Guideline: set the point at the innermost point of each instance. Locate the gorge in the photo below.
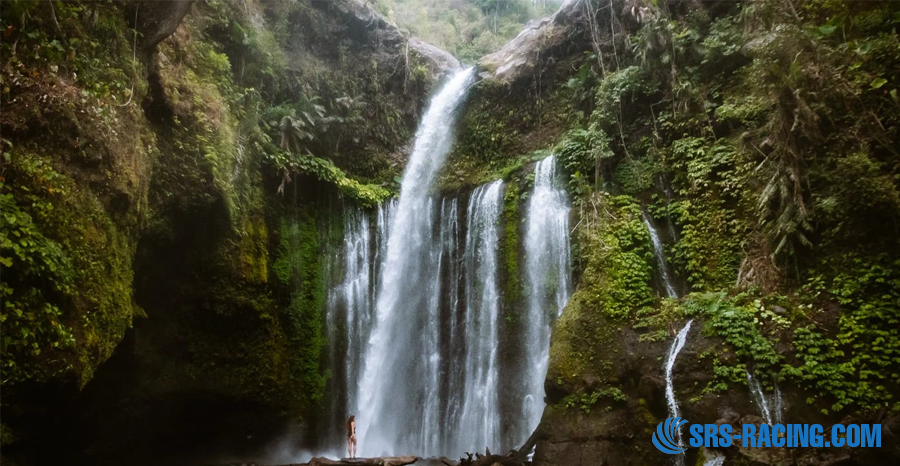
(229, 225)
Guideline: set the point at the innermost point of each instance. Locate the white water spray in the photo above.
(660, 257)
(770, 409)
(676, 347)
(400, 357)
(548, 282)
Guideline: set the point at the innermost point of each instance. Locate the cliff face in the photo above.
(166, 190)
(171, 170)
(695, 116)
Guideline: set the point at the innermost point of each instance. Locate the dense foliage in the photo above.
(765, 135)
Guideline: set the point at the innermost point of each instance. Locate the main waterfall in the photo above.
(397, 407)
(419, 327)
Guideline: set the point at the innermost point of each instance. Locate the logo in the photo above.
(666, 433)
(667, 438)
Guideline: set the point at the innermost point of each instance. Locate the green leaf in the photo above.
(827, 29)
(878, 82)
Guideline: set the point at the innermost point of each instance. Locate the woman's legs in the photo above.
(353, 440)
(349, 444)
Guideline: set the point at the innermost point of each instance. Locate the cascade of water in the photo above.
(354, 296)
(713, 457)
(663, 184)
(676, 347)
(454, 335)
(479, 423)
(759, 397)
(350, 305)
(402, 351)
(771, 410)
(548, 282)
(779, 406)
(660, 257)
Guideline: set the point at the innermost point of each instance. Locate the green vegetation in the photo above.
(856, 363)
(741, 321)
(586, 401)
(776, 123)
(614, 250)
(510, 245)
(298, 268)
(66, 274)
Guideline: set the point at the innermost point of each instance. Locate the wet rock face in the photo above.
(576, 432)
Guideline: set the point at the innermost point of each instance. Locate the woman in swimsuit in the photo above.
(351, 436)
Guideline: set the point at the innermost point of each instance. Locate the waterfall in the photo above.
(660, 257)
(663, 185)
(403, 349)
(414, 311)
(454, 323)
(676, 347)
(479, 423)
(772, 414)
(548, 283)
(713, 457)
(350, 305)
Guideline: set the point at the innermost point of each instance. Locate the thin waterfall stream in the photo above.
(548, 280)
(659, 253)
(671, 401)
(680, 338)
(770, 406)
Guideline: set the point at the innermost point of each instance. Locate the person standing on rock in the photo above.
(351, 436)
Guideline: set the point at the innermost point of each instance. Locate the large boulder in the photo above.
(441, 62)
(539, 40)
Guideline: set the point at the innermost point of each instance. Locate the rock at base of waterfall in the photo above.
(381, 461)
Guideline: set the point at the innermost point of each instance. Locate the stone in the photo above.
(521, 55)
(442, 62)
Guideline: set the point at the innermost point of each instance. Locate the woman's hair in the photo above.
(349, 427)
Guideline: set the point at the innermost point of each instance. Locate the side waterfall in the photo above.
(770, 412)
(396, 411)
(351, 307)
(548, 282)
(680, 339)
(676, 347)
(479, 422)
(660, 257)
